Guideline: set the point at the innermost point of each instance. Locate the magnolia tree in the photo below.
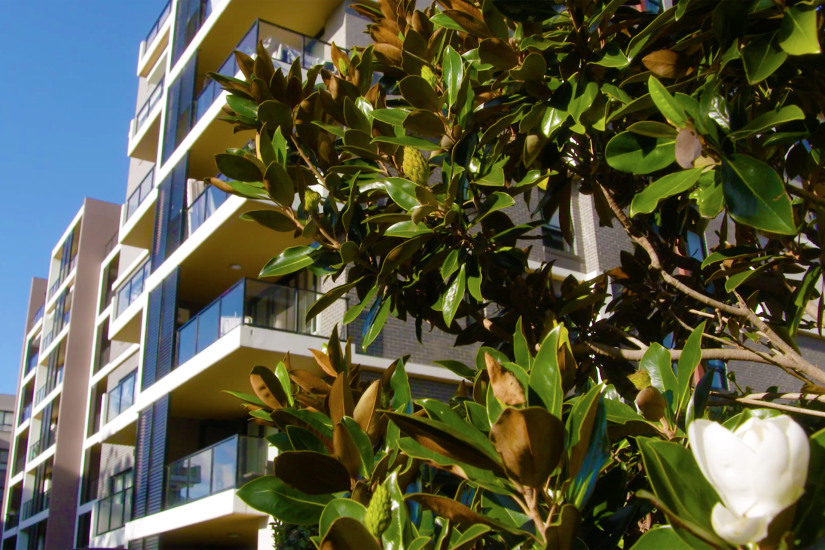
(573, 429)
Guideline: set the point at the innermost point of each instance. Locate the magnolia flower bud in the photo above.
(758, 470)
(651, 403)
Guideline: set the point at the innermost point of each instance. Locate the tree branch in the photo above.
(312, 213)
(656, 263)
(770, 405)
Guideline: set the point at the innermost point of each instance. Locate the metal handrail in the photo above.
(148, 105)
(141, 273)
(140, 193)
(155, 30)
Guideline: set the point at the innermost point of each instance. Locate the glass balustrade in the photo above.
(132, 289)
(121, 397)
(148, 105)
(257, 304)
(114, 511)
(139, 195)
(153, 32)
(203, 207)
(225, 465)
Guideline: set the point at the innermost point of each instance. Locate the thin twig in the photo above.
(770, 405)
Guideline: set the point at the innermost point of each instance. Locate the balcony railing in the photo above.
(282, 44)
(223, 466)
(148, 105)
(153, 32)
(257, 304)
(47, 388)
(32, 360)
(36, 505)
(139, 195)
(60, 280)
(131, 289)
(88, 489)
(25, 413)
(41, 445)
(114, 511)
(121, 397)
(37, 316)
(210, 199)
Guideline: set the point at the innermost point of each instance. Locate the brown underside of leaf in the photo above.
(506, 386)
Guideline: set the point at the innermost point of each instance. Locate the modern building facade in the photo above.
(122, 437)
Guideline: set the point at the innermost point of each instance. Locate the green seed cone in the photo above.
(415, 166)
(379, 512)
(428, 75)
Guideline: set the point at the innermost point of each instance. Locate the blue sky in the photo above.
(67, 93)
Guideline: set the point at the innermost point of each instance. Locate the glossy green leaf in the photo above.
(407, 229)
(450, 264)
(552, 120)
(768, 120)
(377, 321)
(304, 440)
(443, 20)
(666, 103)
(272, 496)
(283, 377)
(398, 534)
(652, 129)
(419, 93)
(688, 361)
(441, 412)
(737, 279)
(275, 115)
(520, 348)
(238, 167)
(402, 191)
(362, 440)
(755, 195)
(354, 311)
(454, 296)
(637, 154)
(457, 367)
(279, 185)
(798, 32)
(289, 261)
(341, 508)
(656, 361)
(493, 203)
(679, 483)
(761, 57)
(661, 537)
(672, 184)
(271, 219)
(485, 478)
(545, 376)
(390, 116)
(611, 56)
(453, 68)
(330, 298)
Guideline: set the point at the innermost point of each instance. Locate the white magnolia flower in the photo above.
(758, 471)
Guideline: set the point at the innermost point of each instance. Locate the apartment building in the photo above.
(6, 427)
(122, 437)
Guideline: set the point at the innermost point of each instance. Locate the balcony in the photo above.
(148, 105)
(155, 30)
(37, 316)
(139, 195)
(48, 387)
(25, 413)
(57, 328)
(132, 289)
(114, 511)
(110, 244)
(31, 361)
(205, 204)
(256, 304)
(60, 280)
(37, 504)
(41, 445)
(284, 45)
(121, 397)
(222, 466)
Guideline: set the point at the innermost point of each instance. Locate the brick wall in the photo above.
(421, 387)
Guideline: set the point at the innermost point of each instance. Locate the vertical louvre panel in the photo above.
(44, 426)
(168, 314)
(142, 454)
(175, 220)
(136, 544)
(150, 347)
(157, 458)
(161, 215)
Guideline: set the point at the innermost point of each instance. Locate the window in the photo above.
(551, 233)
(4, 461)
(122, 396)
(120, 482)
(7, 418)
(720, 379)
